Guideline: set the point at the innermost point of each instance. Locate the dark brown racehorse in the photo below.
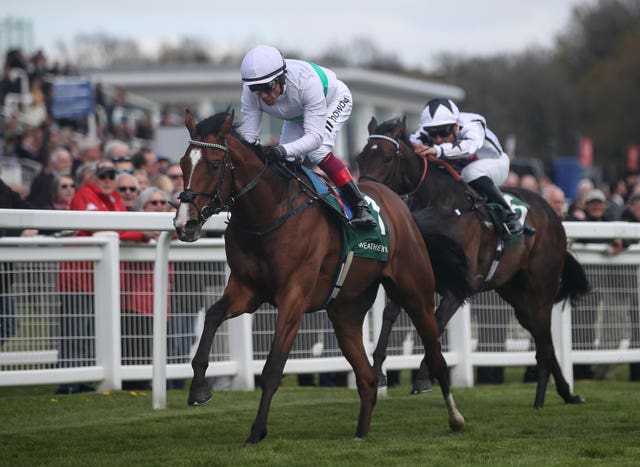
(284, 248)
(531, 274)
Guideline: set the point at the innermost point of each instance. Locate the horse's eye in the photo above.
(214, 165)
(386, 157)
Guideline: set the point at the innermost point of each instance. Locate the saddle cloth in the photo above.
(374, 243)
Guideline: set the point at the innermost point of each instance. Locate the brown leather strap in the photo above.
(447, 166)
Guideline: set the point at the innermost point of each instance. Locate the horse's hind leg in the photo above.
(347, 323)
(536, 318)
(547, 364)
(389, 316)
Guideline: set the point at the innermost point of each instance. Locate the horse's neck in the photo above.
(410, 174)
(267, 200)
(441, 191)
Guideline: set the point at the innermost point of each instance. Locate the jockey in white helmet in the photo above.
(447, 133)
(314, 105)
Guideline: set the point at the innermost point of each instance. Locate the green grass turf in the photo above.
(316, 426)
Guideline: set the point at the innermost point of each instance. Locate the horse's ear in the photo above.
(190, 123)
(227, 125)
(373, 124)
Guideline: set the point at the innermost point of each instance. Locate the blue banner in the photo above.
(72, 98)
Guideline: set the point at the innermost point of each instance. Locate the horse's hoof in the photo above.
(456, 423)
(199, 395)
(254, 440)
(420, 386)
(576, 400)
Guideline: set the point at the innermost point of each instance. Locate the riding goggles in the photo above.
(264, 87)
(441, 131)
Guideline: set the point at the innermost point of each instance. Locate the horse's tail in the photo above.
(573, 283)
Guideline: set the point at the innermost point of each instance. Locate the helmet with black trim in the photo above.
(439, 112)
(262, 64)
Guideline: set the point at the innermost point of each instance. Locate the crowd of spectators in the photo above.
(102, 161)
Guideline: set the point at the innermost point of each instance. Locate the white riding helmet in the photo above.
(439, 112)
(262, 64)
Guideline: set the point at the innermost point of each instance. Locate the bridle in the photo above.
(216, 202)
(396, 165)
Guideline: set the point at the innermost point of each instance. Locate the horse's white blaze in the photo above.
(195, 155)
(182, 216)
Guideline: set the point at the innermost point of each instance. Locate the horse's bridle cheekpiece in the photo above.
(396, 164)
(216, 204)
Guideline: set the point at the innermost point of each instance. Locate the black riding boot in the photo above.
(485, 186)
(362, 217)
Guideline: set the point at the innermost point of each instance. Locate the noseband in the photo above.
(396, 165)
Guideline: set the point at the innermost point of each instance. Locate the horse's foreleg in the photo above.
(347, 323)
(237, 299)
(445, 311)
(389, 316)
(287, 325)
(427, 329)
(199, 392)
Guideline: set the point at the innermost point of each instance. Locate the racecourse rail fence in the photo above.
(51, 336)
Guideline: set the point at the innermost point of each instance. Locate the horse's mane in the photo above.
(211, 125)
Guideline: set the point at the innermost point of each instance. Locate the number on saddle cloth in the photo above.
(499, 215)
(518, 206)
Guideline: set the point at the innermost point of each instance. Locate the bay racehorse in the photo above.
(468, 256)
(283, 247)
